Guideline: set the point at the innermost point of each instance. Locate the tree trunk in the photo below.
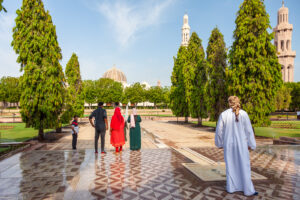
(186, 119)
(41, 134)
(199, 121)
(58, 130)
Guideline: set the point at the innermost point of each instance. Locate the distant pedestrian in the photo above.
(135, 130)
(100, 125)
(75, 131)
(234, 133)
(117, 138)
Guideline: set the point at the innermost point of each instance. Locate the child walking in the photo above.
(75, 131)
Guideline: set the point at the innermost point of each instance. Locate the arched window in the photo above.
(276, 45)
(288, 45)
(282, 45)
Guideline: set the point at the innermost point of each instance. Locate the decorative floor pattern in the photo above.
(148, 174)
(280, 164)
(214, 172)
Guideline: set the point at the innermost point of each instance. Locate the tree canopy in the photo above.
(89, 91)
(135, 93)
(217, 64)
(155, 95)
(295, 96)
(74, 100)
(283, 98)
(10, 89)
(35, 42)
(254, 74)
(195, 78)
(178, 102)
(1, 6)
(108, 90)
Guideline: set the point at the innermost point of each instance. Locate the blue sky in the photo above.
(140, 37)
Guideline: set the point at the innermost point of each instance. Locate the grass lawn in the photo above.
(276, 130)
(18, 133)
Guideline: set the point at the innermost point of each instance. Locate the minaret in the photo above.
(185, 31)
(283, 42)
(158, 83)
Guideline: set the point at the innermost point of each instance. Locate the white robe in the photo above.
(235, 138)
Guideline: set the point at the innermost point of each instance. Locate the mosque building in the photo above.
(283, 42)
(116, 75)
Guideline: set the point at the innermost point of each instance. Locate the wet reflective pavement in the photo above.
(279, 163)
(148, 174)
(152, 173)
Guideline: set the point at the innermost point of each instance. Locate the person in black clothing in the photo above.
(100, 124)
(75, 131)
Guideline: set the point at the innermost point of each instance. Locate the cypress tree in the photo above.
(1, 6)
(195, 78)
(75, 98)
(35, 42)
(178, 103)
(216, 57)
(255, 74)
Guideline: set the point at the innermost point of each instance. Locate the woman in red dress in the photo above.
(117, 138)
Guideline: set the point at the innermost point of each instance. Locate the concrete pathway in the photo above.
(179, 135)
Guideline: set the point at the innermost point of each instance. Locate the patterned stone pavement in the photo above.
(148, 174)
(152, 173)
(280, 164)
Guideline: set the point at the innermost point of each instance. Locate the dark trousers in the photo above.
(97, 134)
(74, 140)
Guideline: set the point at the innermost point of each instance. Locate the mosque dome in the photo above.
(116, 75)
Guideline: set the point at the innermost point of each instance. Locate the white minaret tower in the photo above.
(283, 42)
(185, 31)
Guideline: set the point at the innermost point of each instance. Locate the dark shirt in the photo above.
(99, 114)
(75, 125)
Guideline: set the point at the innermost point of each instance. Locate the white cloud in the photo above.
(128, 20)
(8, 65)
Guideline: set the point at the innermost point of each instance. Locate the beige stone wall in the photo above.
(283, 42)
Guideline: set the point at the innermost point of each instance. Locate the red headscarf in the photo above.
(117, 119)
